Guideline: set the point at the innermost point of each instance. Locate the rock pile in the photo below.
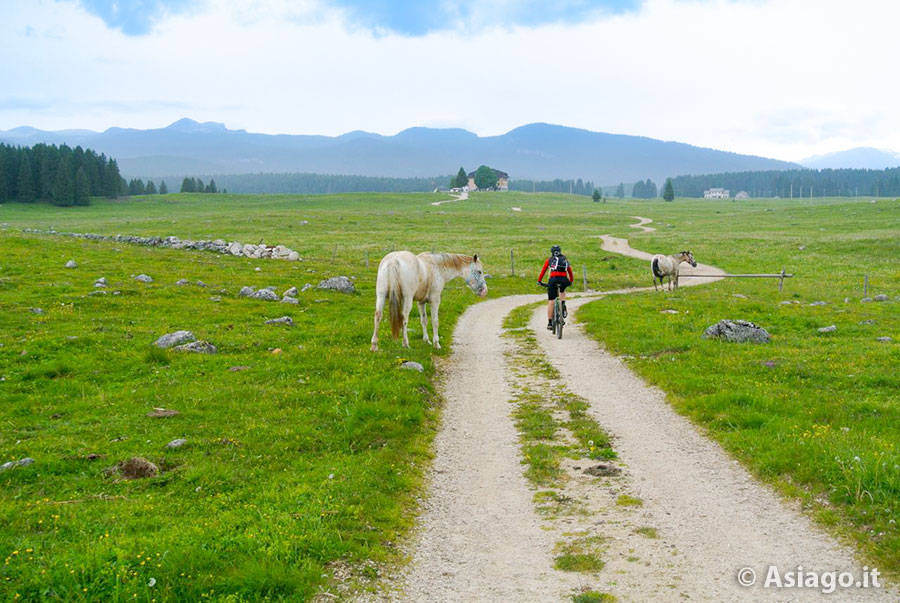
(235, 248)
(737, 331)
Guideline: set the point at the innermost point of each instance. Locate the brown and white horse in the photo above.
(404, 278)
(667, 265)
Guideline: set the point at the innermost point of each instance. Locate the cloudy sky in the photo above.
(779, 78)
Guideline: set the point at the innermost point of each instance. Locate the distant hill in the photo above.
(534, 151)
(858, 158)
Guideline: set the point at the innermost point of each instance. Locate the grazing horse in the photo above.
(667, 265)
(404, 278)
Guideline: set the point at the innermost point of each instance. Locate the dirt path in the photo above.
(459, 197)
(641, 223)
(482, 540)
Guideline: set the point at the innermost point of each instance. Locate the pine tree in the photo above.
(596, 196)
(82, 187)
(669, 190)
(63, 190)
(211, 187)
(163, 189)
(4, 187)
(150, 188)
(620, 192)
(188, 185)
(461, 179)
(112, 180)
(26, 180)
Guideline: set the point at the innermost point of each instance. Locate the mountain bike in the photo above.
(558, 321)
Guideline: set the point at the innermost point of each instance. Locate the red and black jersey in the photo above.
(558, 270)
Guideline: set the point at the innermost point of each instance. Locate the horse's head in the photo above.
(475, 278)
(687, 256)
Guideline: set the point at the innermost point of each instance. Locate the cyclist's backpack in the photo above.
(559, 263)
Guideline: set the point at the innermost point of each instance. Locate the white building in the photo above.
(717, 193)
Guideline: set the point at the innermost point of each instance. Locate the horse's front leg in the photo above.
(435, 304)
(423, 317)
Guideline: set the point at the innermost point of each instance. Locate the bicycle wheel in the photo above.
(558, 319)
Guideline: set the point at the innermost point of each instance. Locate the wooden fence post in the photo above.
(512, 262)
(865, 285)
(584, 276)
(367, 259)
(334, 253)
(781, 281)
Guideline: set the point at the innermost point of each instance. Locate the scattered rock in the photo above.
(668, 311)
(20, 463)
(828, 329)
(770, 364)
(289, 300)
(819, 303)
(603, 470)
(306, 287)
(215, 298)
(292, 292)
(162, 412)
(411, 365)
(865, 300)
(38, 311)
(178, 443)
(257, 269)
(284, 320)
(739, 296)
(182, 282)
(201, 284)
(338, 283)
(737, 331)
(801, 247)
(868, 321)
(881, 298)
(265, 294)
(884, 339)
(172, 339)
(101, 282)
(71, 264)
(199, 347)
(237, 369)
(135, 468)
(246, 291)
(143, 278)
(789, 302)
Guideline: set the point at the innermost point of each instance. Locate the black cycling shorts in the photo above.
(555, 285)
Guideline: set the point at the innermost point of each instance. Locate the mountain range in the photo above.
(536, 151)
(858, 158)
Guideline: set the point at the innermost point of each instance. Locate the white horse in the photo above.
(404, 278)
(667, 265)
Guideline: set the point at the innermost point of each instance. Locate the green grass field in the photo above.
(309, 461)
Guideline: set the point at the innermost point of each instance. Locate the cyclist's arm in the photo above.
(544, 269)
(571, 275)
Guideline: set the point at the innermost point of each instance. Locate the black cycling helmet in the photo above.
(555, 250)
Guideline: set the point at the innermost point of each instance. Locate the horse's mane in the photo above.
(456, 261)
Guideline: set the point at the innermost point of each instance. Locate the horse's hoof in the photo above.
(437, 346)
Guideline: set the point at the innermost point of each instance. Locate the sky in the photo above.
(779, 78)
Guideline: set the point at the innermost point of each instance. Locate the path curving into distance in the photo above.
(641, 224)
(480, 538)
(460, 197)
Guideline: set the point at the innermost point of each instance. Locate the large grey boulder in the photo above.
(338, 283)
(737, 331)
(172, 339)
(292, 292)
(266, 294)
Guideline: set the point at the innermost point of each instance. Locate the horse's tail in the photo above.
(395, 292)
(655, 266)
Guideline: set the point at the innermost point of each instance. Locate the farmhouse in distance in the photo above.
(502, 180)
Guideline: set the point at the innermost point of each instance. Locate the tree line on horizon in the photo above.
(60, 175)
(796, 183)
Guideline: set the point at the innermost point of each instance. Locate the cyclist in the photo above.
(561, 276)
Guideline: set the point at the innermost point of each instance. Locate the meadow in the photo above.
(305, 452)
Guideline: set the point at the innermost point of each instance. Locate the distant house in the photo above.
(742, 195)
(502, 181)
(716, 193)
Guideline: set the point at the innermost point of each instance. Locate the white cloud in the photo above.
(786, 78)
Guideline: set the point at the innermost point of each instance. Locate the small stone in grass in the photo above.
(284, 320)
(201, 284)
(739, 296)
(828, 329)
(292, 292)
(866, 300)
(71, 264)
(235, 369)
(412, 365)
(20, 463)
(289, 300)
(182, 281)
(306, 287)
(199, 347)
(38, 311)
(162, 412)
(881, 298)
(246, 291)
(819, 303)
(143, 278)
(884, 339)
(257, 269)
(215, 298)
(177, 443)
(135, 468)
(868, 321)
